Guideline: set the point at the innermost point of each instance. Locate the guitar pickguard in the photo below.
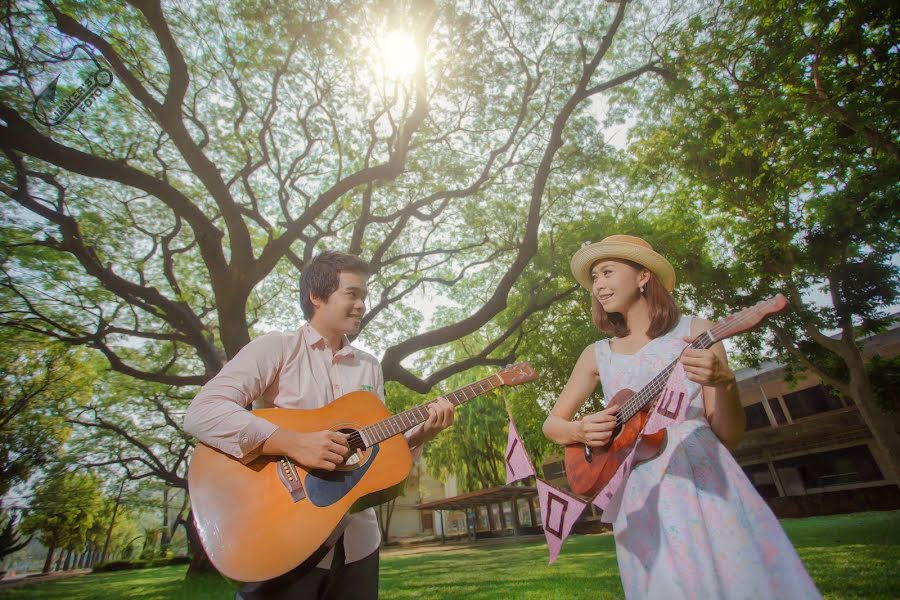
(324, 488)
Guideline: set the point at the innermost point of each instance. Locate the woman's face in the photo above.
(616, 285)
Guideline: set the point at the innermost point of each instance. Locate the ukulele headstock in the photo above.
(517, 374)
(749, 318)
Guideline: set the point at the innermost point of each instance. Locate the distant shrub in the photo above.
(125, 565)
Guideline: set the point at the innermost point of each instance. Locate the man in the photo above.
(308, 368)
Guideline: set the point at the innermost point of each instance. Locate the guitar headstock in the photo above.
(518, 373)
(749, 318)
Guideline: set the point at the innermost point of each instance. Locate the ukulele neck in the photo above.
(650, 391)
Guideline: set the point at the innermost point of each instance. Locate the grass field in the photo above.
(848, 556)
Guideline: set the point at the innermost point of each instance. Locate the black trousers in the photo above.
(343, 581)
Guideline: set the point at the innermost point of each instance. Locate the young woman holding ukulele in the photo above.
(688, 523)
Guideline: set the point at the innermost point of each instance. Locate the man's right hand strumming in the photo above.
(319, 450)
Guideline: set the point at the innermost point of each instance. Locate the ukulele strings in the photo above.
(636, 402)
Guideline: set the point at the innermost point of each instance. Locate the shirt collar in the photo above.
(315, 340)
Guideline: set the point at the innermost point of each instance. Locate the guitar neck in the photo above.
(401, 422)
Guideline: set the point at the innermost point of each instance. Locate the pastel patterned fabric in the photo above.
(689, 524)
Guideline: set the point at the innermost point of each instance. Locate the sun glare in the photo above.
(398, 54)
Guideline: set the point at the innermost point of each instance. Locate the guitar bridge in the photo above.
(290, 478)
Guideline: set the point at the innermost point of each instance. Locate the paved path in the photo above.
(438, 547)
(23, 580)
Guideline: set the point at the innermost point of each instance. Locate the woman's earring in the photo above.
(642, 290)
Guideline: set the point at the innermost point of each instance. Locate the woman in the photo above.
(688, 524)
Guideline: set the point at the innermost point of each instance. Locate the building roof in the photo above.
(771, 369)
(480, 498)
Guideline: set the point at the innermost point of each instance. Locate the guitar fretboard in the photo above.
(382, 430)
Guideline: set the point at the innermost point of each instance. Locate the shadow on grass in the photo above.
(848, 556)
(585, 569)
(145, 584)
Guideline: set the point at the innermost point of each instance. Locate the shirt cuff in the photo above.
(415, 450)
(252, 437)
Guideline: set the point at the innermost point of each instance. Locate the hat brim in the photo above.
(585, 258)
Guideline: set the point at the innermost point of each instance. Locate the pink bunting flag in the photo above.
(669, 410)
(559, 511)
(518, 465)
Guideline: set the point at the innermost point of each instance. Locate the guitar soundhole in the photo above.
(359, 454)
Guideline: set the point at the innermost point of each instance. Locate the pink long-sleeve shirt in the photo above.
(294, 369)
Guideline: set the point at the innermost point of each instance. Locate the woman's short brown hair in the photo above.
(664, 313)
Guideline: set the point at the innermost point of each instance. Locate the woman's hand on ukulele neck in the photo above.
(319, 450)
(596, 429)
(706, 368)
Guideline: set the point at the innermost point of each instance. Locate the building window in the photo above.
(810, 401)
(756, 416)
(775, 405)
(427, 520)
(827, 469)
(762, 480)
(554, 470)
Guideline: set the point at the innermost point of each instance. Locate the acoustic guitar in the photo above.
(259, 520)
(588, 470)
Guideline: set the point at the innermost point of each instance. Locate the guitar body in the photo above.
(253, 522)
(589, 473)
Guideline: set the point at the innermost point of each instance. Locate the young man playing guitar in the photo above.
(308, 369)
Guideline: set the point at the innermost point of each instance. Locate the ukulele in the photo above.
(259, 520)
(588, 470)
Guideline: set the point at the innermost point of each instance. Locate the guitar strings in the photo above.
(356, 441)
(633, 405)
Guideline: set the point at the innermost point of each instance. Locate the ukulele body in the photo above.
(588, 470)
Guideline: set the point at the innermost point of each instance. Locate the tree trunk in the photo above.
(385, 512)
(880, 424)
(200, 563)
(164, 533)
(49, 561)
(59, 559)
(112, 522)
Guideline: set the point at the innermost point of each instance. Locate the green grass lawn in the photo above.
(848, 556)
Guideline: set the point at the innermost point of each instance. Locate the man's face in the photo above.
(343, 310)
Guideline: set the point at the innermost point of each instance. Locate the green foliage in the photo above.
(127, 565)
(39, 382)
(884, 373)
(10, 539)
(782, 133)
(64, 509)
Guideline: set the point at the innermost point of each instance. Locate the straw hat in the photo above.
(625, 247)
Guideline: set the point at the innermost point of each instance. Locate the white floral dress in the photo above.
(689, 524)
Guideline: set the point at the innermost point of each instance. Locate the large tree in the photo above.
(179, 208)
(167, 223)
(783, 129)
